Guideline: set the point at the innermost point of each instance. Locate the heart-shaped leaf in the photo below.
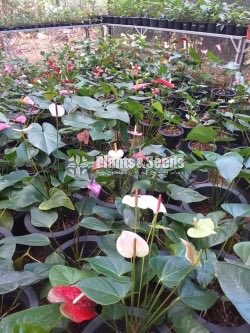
(57, 198)
(44, 137)
(43, 219)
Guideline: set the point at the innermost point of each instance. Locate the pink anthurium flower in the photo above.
(56, 110)
(27, 101)
(135, 132)
(165, 83)
(70, 67)
(144, 202)
(65, 92)
(97, 72)
(83, 137)
(3, 126)
(95, 189)
(75, 305)
(141, 86)
(140, 156)
(156, 91)
(20, 119)
(130, 245)
(136, 69)
(8, 68)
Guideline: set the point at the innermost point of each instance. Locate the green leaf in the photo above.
(114, 111)
(78, 120)
(57, 198)
(113, 312)
(64, 276)
(103, 290)
(107, 244)
(184, 324)
(185, 194)
(28, 240)
(242, 250)
(237, 210)
(235, 283)
(185, 218)
(87, 103)
(202, 134)
(195, 297)
(28, 328)
(93, 223)
(12, 178)
(6, 220)
(170, 270)
(97, 131)
(44, 137)
(111, 267)
(42, 219)
(11, 280)
(46, 316)
(229, 166)
(205, 271)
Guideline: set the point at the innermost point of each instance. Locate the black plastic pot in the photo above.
(230, 29)
(149, 130)
(190, 150)
(226, 93)
(26, 297)
(202, 27)
(163, 23)
(123, 20)
(146, 21)
(178, 25)
(59, 236)
(171, 141)
(240, 31)
(154, 23)
(207, 189)
(130, 20)
(86, 244)
(171, 24)
(187, 25)
(110, 19)
(104, 18)
(211, 27)
(97, 325)
(5, 233)
(220, 29)
(186, 129)
(200, 176)
(137, 21)
(213, 328)
(116, 19)
(194, 26)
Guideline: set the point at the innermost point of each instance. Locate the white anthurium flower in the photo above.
(56, 110)
(202, 228)
(116, 153)
(131, 245)
(144, 202)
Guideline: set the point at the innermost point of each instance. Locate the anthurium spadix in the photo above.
(144, 202)
(131, 245)
(202, 228)
(56, 110)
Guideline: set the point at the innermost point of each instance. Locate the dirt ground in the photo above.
(31, 45)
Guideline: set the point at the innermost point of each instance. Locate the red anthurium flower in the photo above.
(75, 305)
(184, 39)
(164, 83)
(83, 137)
(52, 65)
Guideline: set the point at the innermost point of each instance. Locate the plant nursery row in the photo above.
(125, 174)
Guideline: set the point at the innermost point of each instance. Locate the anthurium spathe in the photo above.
(83, 137)
(202, 228)
(75, 305)
(21, 119)
(95, 189)
(144, 202)
(3, 126)
(131, 245)
(164, 83)
(56, 110)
